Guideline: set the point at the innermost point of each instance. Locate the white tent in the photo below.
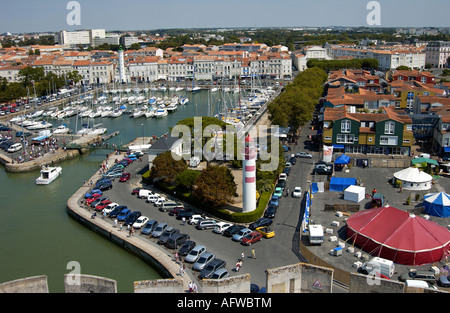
(354, 193)
(414, 179)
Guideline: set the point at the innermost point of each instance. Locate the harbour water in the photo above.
(37, 236)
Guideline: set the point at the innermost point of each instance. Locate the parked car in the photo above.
(100, 206)
(444, 280)
(92, 192)
(168, 232)
(104, 185)
(177, 240)
(270, 211)
(220, 273)
(153, 198)
(293, 160)
(195, 253)
(159, 230)
(251, 238)
(263, 221)
(287, 171)
(281, 184)
(427, 276)
(283, 176)
(205, 224)
(303, 155)
(160, 201)
(232, 230)
(14, 147)
(140, 222)
(275, 200)
(211, 267)
(278, 192)
(117, 210)
(193, 220)
(110, 207)
(135, 191)
(266, 232)
(297, 193)
(124, 177)
(203, 260)
(323, 169)
(186, 248)
(92, 198)
(123, 215)
(220, 227)
(97, 201)
(240, 234)
(132, 218)
(149, 227)
(186, 214)
(112, 175)
(177, 210)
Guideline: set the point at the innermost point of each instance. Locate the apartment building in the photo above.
(438, 54)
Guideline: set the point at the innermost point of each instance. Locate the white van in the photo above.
(418, 284)
(160, 201)
(315, 234)
(379, 265)
(144, 193)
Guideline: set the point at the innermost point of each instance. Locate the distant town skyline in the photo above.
(25, 16)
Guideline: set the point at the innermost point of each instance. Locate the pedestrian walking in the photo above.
(115, 222)
(184, 221)
(121, 226)
(238, 265)
(242, 256)
(181, 270)
(253, 253)
(176, 256)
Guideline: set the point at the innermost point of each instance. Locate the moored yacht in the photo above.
(48, 174)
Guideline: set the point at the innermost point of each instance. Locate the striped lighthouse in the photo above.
(249, 177)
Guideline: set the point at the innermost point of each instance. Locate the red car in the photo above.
(128, 160)
(102, 205)
(125, 177)
(92, 198)
(253, 237)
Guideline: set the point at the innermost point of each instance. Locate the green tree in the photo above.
(186, 179)
(165, 168)
(215, 186)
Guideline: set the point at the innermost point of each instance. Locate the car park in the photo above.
(140, 222)
(263, 221)
(123, 215)
(427, 276)
(168, 232)
(149, 227)
(230, 231)
(220, 274)
(205, 224)
(240, 234)
(303, 155)
(124, 177)
(117, 210)
(159, 230)
(251, 238)
(270, 211)
(266, 232)
(177, 240)
(297, 193)
(195, 253)
(211, 267)
(203, 260)
(220, 227)
(186, 248)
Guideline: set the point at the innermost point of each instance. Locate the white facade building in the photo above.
(438, 54)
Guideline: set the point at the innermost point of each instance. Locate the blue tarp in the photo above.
(437, 204)
(341, 183)
(314, 188)
(343, 159)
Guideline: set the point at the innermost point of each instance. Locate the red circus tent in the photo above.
(396, 235)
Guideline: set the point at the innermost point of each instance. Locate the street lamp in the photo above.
(142, 135)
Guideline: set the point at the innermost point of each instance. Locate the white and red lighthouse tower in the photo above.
(249, 177)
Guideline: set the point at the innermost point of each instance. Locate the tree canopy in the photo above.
(166, 169)
(215, 186)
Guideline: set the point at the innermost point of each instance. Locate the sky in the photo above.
(26, 16)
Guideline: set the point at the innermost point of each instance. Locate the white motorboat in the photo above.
(150, 112)
(48, 175)
(39, 125)
(62, 129)
(160, 112)
(172, 107)
(116, 113)
(183, 101)
(179, 89)
(138, 112)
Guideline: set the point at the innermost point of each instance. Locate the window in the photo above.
(343, 138)
(345, 126)
(389, 128)
(388, 140)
